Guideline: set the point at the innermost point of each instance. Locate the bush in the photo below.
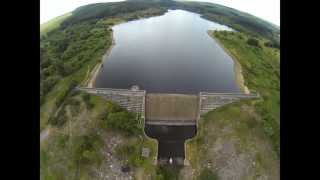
(131, 154)
(60, 119)
(86, 149)
(166, 173)
(125, 122)
(64, 93)
(253, 42)
(207, 174)
(86, 99)
(61, 97)
(113, 108)
(47, 84)
(272, 44)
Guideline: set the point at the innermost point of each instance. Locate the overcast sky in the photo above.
(266, 9)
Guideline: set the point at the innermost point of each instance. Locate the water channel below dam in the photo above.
(171, 141)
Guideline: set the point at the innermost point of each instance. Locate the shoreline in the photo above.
(91, 79)
(237, 66)
(90, 82)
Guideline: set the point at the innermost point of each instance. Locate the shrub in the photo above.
(60, 98)
(64, 93)
(131, 153)
(207, 174)
(86, 149)
(253, 42)
(86, 99)
(113, 108)
(272, 44)
(166, 173)
(60, 119)
(47, 84)
(125, 122)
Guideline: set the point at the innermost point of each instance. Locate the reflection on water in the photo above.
(171, 53)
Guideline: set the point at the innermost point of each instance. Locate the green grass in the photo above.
(166, 173)
(76, 145)
(76, 120)
(69, 150)
(224, 125)
(53, 23)
(48, 108)
(68, 54)
(207, 174)
(261, 71)
(254, 124)
(132, 150)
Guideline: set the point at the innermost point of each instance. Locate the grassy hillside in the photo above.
(261, 71)
(53, 24)
(242, 140)
(93, 138)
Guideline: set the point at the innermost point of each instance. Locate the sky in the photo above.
(266, 9)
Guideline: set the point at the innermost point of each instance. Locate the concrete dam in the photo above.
(169, 118)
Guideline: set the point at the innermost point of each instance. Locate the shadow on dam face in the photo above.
(171, 139)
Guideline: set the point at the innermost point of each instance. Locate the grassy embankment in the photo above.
(245, 134)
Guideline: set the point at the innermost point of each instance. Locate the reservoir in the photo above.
(171, 53)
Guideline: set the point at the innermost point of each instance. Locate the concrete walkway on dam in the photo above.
(171, 109)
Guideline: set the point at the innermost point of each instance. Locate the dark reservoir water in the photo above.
(171, 53)
(170, 141)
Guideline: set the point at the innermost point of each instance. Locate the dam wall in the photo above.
(210, 101)
(169, 109)
(132, 100)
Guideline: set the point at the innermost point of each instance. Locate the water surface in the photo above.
(171, 53)
(171, 141)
